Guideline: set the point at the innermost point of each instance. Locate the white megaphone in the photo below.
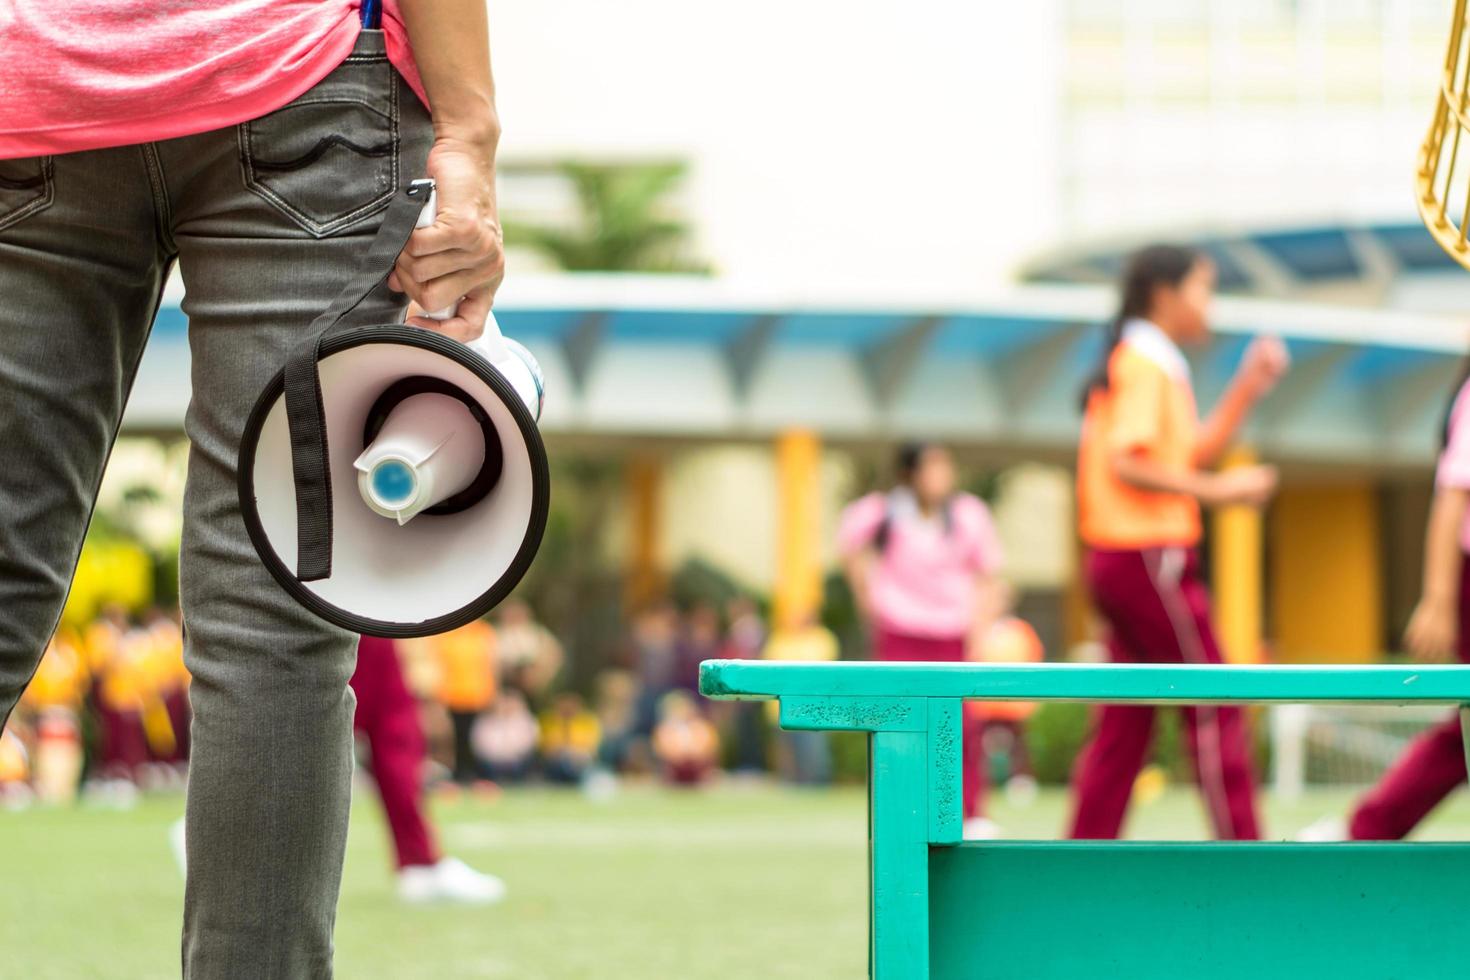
(391, 478)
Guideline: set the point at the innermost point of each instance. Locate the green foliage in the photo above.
(697, 582)
(840, 615)
(623, 223)
(572, 586)
(1054, 736)
(1057, 732)
(849, 757)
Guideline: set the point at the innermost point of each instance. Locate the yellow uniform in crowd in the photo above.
(562, 734)
(466, 660)
(61, 679)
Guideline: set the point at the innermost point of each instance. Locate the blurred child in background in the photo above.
(699, 640)
(685, 744)
(920, 560)
(172, 678)
(466, 658)
(15, 790)
(1142, 474)
(125, 694)
(803, 758)
(739, 722)
(999, 727)
(55, 699)
(570, 736)
(505, 738)
(655, 655)
(530, 655)
(387, 720)
(617, 716)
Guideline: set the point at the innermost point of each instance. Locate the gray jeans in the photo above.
(265, 220)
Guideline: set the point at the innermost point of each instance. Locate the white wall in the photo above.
(830, 141)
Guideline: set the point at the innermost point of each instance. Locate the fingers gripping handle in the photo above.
(427, 217)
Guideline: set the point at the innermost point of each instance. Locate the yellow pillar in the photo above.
(1236, 557)
(798, 591)
(1326, 575)
(645, 579)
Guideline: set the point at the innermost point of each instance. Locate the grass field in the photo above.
(741, 881)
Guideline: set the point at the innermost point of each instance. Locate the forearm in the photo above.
(1144, 474)
(451, 45)
(1219, 430)
(1442, 553)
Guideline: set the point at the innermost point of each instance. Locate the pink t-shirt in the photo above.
(85, 74)
(1454, 462)
(923, 583)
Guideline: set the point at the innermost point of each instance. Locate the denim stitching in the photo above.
(44, 200)
(159, 189)
(321, 229)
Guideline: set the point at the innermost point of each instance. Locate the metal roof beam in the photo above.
(1025, 373)
(1308, 378)
(890, 362)
(580, 346)
(745, 350)
(1414, 399)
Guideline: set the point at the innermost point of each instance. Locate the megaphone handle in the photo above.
(304, 413)
(427, 217)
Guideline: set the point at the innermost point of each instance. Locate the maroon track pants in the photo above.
(1159, 612)
(898, 648)
(388, 718)
(1428, 771)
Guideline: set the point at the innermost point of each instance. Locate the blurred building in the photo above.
(1243, 112)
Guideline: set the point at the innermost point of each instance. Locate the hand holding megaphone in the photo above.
(453, 261)
(431, 447)
(392, 478)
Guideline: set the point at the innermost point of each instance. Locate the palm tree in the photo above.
(622, 223)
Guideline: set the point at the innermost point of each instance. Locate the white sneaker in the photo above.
(176, 844)
(451, 880)
(980, 828)
(1324, 831)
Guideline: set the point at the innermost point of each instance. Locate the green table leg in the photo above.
(899, 851)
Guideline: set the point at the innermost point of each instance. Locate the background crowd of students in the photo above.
(107, 713)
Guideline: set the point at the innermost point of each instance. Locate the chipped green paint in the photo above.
(945, 910)
(853, 714)
(946, 776)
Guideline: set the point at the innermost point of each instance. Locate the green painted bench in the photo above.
(1004, 910)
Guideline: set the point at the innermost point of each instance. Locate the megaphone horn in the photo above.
(391, 478)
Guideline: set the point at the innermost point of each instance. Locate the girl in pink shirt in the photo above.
(921, 560)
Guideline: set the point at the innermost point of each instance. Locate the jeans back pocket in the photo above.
(26, 186)
(330, 158)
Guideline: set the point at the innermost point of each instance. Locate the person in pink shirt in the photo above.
(921, 560)
(1434, 763)
(255, 144)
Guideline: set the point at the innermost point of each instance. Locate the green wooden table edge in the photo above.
(1141, 683)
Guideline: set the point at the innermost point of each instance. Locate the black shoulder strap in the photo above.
(884, 533)
(305, 417)
(885, 528)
